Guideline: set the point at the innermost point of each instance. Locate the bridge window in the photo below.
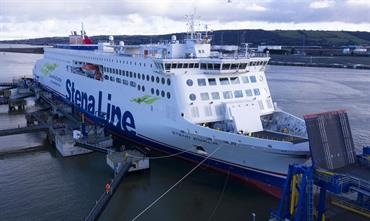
(191, 65)
(111, 78)
(235, 80)
(203, 66)
(174, 65)
(106, 77)
(185, 65)
(228, 94)
(124, 81)
(217, 67)
(118, 80)
(209, 66)
(234, 66)
(224, 81)
(196, 65)
(225, 66)
(179, 65)
(212, 81)
(201, 82)
(242, 65)
(215, 95)
(204, 96)
(167, 66)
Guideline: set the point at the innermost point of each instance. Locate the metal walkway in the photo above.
(8, 84)
(104, 199)
(22, 130)
(85, 144)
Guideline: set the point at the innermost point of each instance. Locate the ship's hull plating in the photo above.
(249, 162)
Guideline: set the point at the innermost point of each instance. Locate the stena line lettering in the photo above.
(112, 113)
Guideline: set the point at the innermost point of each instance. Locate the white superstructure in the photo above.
(183, 97)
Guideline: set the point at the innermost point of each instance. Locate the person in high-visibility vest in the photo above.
(107, 188)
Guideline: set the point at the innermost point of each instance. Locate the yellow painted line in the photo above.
(325, 172)
(352, 208)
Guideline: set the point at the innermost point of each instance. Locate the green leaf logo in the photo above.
(147, 99)
(48, 68)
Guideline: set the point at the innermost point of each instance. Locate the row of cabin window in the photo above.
(213, 66)
(139, 87)
(137, 75)
(223, 80)
(160, 93)
(226, 94)
(110, 60)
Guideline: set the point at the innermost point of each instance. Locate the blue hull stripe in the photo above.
(246, 173)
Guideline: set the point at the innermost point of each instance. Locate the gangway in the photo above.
(335, 170)
(104, 199)
(22, 130)
(91, 146)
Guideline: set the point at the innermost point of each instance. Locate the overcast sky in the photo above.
(20, 19)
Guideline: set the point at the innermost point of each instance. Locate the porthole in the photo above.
(143, 88)
(152, 91)
(189, 82)
(162, 93)
(138, 87)
(157, 79)
(143, 77)
(157, 92)
(152, 78)
(168, 95)
(168, 82)
(138, 76)
(163, 81)
(192, 97)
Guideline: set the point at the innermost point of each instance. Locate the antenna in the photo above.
(82, 30)
(190, 23)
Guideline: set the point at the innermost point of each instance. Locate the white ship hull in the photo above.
(146, 100)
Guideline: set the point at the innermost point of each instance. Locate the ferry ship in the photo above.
(184, 98)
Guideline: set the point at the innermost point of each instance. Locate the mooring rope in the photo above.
(173, 186)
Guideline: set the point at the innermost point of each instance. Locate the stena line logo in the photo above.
(112, 113)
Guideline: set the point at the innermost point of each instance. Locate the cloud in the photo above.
(322, 4)
(34, 18)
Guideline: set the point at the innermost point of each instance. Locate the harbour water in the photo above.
(41, 185)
